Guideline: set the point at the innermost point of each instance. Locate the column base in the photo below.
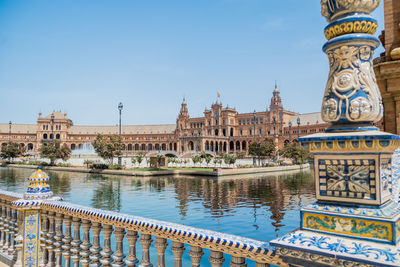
(308, 248)
(376, 224)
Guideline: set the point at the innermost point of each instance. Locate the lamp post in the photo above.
(298, 129)
(290, 132)
(120, 107)
(254, 133)
(9, 131)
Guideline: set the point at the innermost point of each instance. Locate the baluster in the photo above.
(2, 222)
(76, 242)
(59, 240)
(216, 258)
(119, 247)
(95, 249)
(13, 232)
(262, 264)
(177, 250)
(161, 244)
(50, 239)
(43, 238)
(132, 237)
(19, 242)
(145, 241)
(7, 229)
(66, 247)
(195, 254)
(238, 262)
(107, 251)
(85, 246)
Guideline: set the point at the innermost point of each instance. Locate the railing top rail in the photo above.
(258, 251)
(10, 196)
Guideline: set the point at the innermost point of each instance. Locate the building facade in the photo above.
(220, 130)
(387, 67)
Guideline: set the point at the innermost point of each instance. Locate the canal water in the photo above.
(258, 206)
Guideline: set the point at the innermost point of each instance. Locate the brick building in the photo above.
(221, 129)
(387, 67)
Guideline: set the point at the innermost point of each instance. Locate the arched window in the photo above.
(45, 136)
(73, 146)
(51, 136)
(58, 136)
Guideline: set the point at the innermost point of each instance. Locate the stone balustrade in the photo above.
(74, 235)
(8, 226)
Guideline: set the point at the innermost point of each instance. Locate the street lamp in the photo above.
(254, 133)
(120, 107)
(298, 129)
(9, 131)
(290, 132)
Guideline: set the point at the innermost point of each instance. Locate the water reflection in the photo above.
(239, 205)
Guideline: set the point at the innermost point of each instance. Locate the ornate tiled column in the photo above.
(28, 235)
(354, 219)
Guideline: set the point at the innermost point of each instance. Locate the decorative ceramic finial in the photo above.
(351, 94)
(38, 187)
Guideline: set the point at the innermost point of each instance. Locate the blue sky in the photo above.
(85, 56)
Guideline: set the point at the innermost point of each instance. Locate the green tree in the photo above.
(139, 158)
(133, 160)
(108, 147)
(160, 158)
(196, 159)
(53, 151)
(207, 159)
(232, 159)
(229, 159)
(295, 152)
(87, 163)
(11, 150)
(264, 149)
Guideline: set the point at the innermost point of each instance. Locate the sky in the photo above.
(83, 57)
